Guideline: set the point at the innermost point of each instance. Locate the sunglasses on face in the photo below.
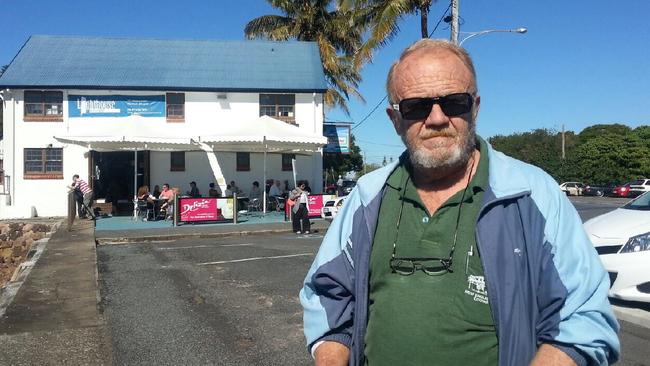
(452, 105)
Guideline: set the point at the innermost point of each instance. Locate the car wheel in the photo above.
(599, 193)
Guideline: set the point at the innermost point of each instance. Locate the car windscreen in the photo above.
(642, 203)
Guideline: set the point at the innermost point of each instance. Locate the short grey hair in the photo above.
(436, 45)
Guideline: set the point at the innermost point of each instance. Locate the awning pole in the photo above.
(135, 184)
(264, 181)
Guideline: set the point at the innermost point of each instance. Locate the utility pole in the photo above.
(454, 21)
(563, 152)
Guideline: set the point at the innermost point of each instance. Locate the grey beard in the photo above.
(421, 160)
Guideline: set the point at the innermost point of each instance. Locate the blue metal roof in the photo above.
(151, 64)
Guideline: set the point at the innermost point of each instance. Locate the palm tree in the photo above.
(383, 16)
(337, 32)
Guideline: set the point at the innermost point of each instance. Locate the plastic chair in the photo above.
(145, 210)
(255, 205)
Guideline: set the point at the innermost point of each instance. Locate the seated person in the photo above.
(194, 190)
(228, 190)
(215, 190)
(235, 189)
(276, 189)
(144, 195)
(169, 205)
(156, 191)
(255, 192)
(166, 193)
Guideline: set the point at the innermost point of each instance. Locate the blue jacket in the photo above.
(545, 281)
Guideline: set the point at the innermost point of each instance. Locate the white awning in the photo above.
(130, 143)
(257, 135)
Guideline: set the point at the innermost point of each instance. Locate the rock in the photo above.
(28, 227)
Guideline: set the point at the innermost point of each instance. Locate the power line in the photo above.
(386, 96)
(375, 143)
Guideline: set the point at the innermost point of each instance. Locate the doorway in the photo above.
(112, 177)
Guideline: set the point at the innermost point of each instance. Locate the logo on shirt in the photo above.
(477, 289)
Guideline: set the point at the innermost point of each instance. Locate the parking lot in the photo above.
(234, 300)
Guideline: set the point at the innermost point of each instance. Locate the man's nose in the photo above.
(436, 117)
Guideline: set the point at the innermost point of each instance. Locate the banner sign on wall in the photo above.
(338, 139)
(116, 105)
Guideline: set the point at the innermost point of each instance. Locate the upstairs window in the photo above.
(286, 162)
(43, 105)
(43, 163)
(278, 106)
(175, 107)
(177, 163)
(243, 162)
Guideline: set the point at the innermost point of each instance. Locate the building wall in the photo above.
(204, 112)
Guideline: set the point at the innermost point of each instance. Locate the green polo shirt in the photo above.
(421, 319)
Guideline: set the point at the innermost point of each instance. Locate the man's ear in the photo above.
(395, 118)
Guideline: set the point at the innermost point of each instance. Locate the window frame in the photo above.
(276, 106)
(43, 116)
(287, 167)
(243, 166)
(174, 117)
(175, 166)
(43, 173)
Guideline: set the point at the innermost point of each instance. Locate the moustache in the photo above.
(427, 134)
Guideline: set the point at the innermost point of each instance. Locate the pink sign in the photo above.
(315, 204)
(199, 209)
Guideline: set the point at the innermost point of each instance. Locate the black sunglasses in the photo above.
(452, 105)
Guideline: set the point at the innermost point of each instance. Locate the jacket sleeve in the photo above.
(327, 295)
(587, 329)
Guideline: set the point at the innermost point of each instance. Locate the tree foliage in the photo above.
(600, 154)
(338, 33)
(340, 164)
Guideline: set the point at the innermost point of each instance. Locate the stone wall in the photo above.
(16, 240)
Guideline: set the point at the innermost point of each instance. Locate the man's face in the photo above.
(165, 188)
(437, 141)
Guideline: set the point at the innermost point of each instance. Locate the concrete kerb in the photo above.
(165, 237)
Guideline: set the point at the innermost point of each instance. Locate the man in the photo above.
(166, 193)
(275, 190)
(194, 190)
(456, 254)
(339, 186)
(214, 191)
(85, 196)
(255, 192)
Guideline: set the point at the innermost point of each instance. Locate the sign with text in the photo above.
(88, 106)
(316, 202)
(205, 209)
(338, 139)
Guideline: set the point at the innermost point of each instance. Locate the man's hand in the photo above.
(331, 354)
(548, 355)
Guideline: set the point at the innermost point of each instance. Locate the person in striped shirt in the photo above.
(86, 193)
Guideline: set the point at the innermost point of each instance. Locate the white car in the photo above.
(622, 240)
(331, 208)
(572, 188)
(639, 186)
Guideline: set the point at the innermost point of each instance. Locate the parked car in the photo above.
(331, 208)
(598, 190)
(347, 187)
(622, 240)
(639, 186)
(572, 188)
(621, 191)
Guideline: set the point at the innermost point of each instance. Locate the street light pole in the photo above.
(454, 21)
(521, 30)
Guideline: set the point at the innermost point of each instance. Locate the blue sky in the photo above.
(581, 62)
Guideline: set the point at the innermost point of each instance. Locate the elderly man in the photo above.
(456, 254)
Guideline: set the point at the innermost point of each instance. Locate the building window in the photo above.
(43, 105)
(278, 106)
(44, 163)
(177, 161)
(243, 162)
(286, 162)
(175, 107)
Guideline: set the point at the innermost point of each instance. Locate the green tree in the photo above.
(340, 164)
(338, 33)
(603, 129)
(383, 17)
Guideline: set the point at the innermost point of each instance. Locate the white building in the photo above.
(204, 111)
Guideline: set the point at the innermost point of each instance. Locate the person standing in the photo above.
(85, 194)
(455, 254)
(339, 186)
(300, 209)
